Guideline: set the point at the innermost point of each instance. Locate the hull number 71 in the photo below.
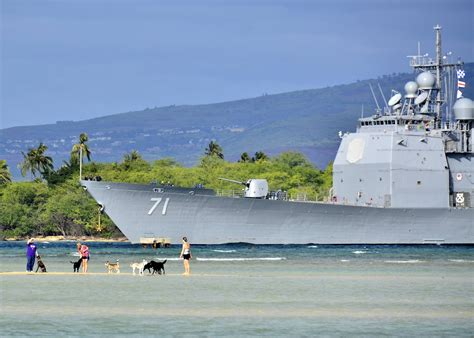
(157, 201)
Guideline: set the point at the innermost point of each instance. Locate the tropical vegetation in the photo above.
(55, 204)
(36, 161)
(5, 175)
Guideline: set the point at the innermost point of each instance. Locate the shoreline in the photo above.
(68, 239)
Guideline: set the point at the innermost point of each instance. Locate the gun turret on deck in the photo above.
(254, 188)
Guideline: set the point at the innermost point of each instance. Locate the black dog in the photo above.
(156, 266)
(40, 264)
(76, 265)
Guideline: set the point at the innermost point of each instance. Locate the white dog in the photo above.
(138, 266)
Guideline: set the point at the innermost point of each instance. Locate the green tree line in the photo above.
(53, 203)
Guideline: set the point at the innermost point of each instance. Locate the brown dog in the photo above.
(113, 267)
(40, 264)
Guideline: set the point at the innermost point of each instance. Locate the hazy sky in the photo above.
(72, 60)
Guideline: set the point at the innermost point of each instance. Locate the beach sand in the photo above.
(42, 239)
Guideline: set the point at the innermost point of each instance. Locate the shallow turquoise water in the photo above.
(240, 290)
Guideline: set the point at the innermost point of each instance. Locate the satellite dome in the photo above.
(425, 80)
(464, 109)
(411, 88)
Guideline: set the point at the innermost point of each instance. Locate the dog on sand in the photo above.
(40, 264)
(113, 267)
(76, 265)
(139, 266)
(158, 267)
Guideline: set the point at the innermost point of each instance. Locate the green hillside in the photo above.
(306, 121)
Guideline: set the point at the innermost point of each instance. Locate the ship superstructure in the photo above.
(416, 153)
(406, 176)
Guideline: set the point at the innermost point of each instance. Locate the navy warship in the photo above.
(406, 176)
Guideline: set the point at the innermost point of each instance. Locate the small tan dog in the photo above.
(113, 267)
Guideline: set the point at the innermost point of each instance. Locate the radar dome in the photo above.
(425, 80)
(411, 88)
(464, 109)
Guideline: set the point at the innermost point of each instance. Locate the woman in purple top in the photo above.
(30, 255)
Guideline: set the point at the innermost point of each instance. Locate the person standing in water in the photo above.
(30, 255)
(84, 254)
(186, 255)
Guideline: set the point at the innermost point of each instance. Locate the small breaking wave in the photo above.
(241, 259)
(410, 261)
(359, 252)
(312, 246)
(461, 261)
(168, 259)
(224, 251)
(345, 260)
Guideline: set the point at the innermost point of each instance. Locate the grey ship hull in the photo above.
(145, 211)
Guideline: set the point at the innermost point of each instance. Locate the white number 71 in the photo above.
(157, 201)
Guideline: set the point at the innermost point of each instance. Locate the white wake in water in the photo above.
(359, 252)
(168, 258)
(410, 261)
(241, 259)
(224, 251)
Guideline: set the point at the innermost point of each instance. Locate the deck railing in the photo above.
(281, 195)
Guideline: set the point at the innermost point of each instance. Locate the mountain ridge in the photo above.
(304, 120)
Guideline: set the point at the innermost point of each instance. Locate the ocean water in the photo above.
(242, 290)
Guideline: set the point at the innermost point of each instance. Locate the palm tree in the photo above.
(130, 158)
(244, 158)
(133, 156)
(79, 150)
(259, 156)
(45, 163)
(5, 175)
(214, 149)
(28, 164)
(35, 161)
